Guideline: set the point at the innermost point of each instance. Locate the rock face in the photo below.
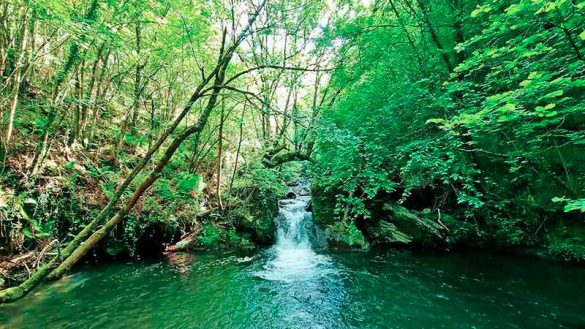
(345, 235)
(304, 192)
(393, 225)
(258, 219)
(253, 219)
(383, 232)
(399, 226)
(420, 230)
(296, 188)
(338, 233)
(323, 206)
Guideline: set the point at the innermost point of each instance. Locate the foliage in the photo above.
(572, 205)
(346, 235)
(98, 89)
(480, 115)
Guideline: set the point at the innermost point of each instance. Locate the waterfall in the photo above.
(293, 224)
(292, 258)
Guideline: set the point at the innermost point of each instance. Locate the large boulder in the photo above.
(323, 206)
(256, 217)
(386, 233)
(345, 235)
(400, 226)
(423, 230)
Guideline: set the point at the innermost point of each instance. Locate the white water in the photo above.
(292, 257)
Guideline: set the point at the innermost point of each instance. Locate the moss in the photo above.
(420, 227)
(383, 232)
(210, 237)
(256, 216)
(345, 235)
(461, 232)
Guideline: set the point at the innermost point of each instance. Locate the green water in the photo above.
(393, 289)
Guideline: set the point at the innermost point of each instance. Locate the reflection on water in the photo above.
(181, 261)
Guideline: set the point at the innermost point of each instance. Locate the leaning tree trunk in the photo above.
(152, 177)
(17, 79)
(72, 253)
(92, 241)
(219, 156)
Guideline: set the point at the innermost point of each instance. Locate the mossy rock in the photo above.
(385, 233)
(213, 237)
(345, 235)
(256, 217)
(210, 237)
(461, 232)
(421, 229)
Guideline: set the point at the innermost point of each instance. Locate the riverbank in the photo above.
(250, 226)
(40, 215)
(417, 222)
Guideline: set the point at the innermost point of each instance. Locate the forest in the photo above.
(132, 129)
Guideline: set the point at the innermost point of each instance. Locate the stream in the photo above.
(297, 284)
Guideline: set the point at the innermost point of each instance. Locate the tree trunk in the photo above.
(88, 244)
(219, 156)
(77, 106)
(435, 36)
(88, 96)
(408, 36)
(17, 78)
(137, 80)
(238, 150)
(14, 293)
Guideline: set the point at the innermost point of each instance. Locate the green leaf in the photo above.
(69, 165)
(550, 106)
(513, 9)
(27, 233)
(554, 94)
(479, 10)
(436, 120)
(507, 107)
(187, 183)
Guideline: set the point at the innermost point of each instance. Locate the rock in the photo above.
(422, 230)
(309, 206)
(291, 195)
(304, 192)
(186, 242)
(285, 202)
(346, 236)
(383, 232)
(255, 217)
(293, 183)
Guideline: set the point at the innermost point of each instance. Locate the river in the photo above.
(296, 285)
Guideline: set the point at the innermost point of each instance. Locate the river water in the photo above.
(296, 285)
